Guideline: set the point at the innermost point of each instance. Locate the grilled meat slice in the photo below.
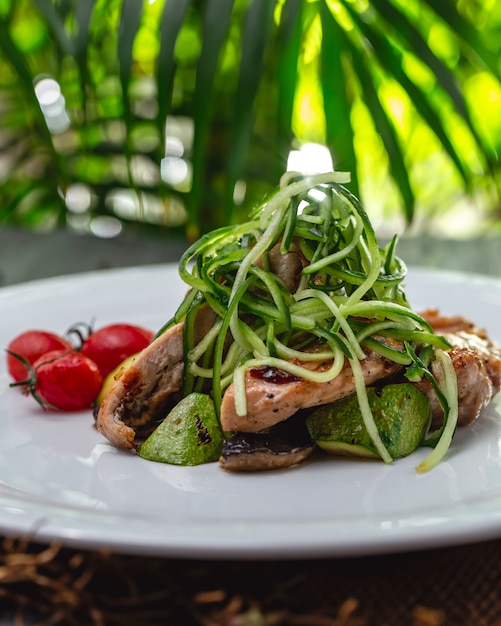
(476, 360)
(475, 388)
(146, 390)
(451, 323)
(462, 334)
(272, 399)
(477, 363)
(288, 266)
(140, 396)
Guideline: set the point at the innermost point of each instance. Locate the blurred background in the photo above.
(168, 118)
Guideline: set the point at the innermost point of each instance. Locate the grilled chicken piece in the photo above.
(442, 324)
(140, 396)
(477, 362)
(273, 396)
(475, 388)
(288, 266)
(146, 390)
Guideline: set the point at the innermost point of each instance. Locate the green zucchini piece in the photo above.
(401, 412)
(189, 435)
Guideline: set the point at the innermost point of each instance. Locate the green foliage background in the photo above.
(406, 95)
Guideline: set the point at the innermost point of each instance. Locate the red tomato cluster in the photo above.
(62, 376)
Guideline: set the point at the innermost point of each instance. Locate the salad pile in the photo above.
(346, 298)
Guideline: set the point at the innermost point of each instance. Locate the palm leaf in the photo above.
(130, 20)
(173, 15)
(390, 60)
(337, 106)
(83, 16)
(385, 127)
(415, 43)
(30, 193)
(216, 22)
(467, 33)
(384, 32)
(256, 31)
(20, 65)
(289, 47)
(56, 24)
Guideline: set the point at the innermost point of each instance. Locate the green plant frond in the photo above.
(216, 22)
(415, 43)
(30, 203)
(55, 21)
(290, 30)
(16, 59)
(12, 197)
(385, 127)
(173, 15)
(255, 79)
(20, 65)
(81, 42)
(130, 21)
(390, 60)
(467, 33)
(337, 106)
(83, 17)
(257, 28)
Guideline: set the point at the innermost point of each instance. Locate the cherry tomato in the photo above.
(31, 345)
(110, 345)
(66, 380)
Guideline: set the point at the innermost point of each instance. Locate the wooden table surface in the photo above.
(458, 586)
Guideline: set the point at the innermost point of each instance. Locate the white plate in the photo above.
(59, 479)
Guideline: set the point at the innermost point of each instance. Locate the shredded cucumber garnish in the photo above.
(448, 383)
(344, 297)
